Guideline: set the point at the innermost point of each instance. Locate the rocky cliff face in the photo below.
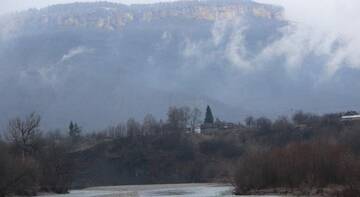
(110, 16)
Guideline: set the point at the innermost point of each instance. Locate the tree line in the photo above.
(304, 151)
(309, 155)
(33, 160)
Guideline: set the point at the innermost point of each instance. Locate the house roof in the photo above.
(351, 117)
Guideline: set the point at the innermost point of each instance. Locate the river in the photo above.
(164, 190)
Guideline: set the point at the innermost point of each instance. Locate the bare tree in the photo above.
(250, 122)
(195, 118)
(133, 128)
(23, 133)
(263, 124)
(178, 118)
(150, 125)
(117, 131)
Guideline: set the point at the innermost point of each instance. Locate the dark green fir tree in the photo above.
(209, 118)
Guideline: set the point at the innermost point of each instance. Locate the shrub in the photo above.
(311, 164)
(18, 176)
(56, 167)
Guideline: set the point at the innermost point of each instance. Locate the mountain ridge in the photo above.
(89, 63)
(114, 16)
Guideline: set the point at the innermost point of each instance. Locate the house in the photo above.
(351, 118)
(196, 129)
(208, 128)
(219, 126)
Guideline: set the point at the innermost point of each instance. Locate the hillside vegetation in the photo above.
(302, 154)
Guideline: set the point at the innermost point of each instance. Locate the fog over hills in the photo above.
(101, 63)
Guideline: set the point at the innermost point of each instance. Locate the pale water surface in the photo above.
(166, 190)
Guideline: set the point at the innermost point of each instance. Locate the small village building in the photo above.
(198, 130)
(351, 118)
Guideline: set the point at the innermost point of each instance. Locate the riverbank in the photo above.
(330, 191)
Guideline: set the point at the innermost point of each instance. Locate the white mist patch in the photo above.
(236, 50)
(227, 43)
(10, 24)
(218, 31)
(298, 43)
(76, 52)
(324, 27)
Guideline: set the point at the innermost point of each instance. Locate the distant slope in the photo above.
(100, 63)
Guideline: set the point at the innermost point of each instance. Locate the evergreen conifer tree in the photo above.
(209, 118)
(74, 130)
